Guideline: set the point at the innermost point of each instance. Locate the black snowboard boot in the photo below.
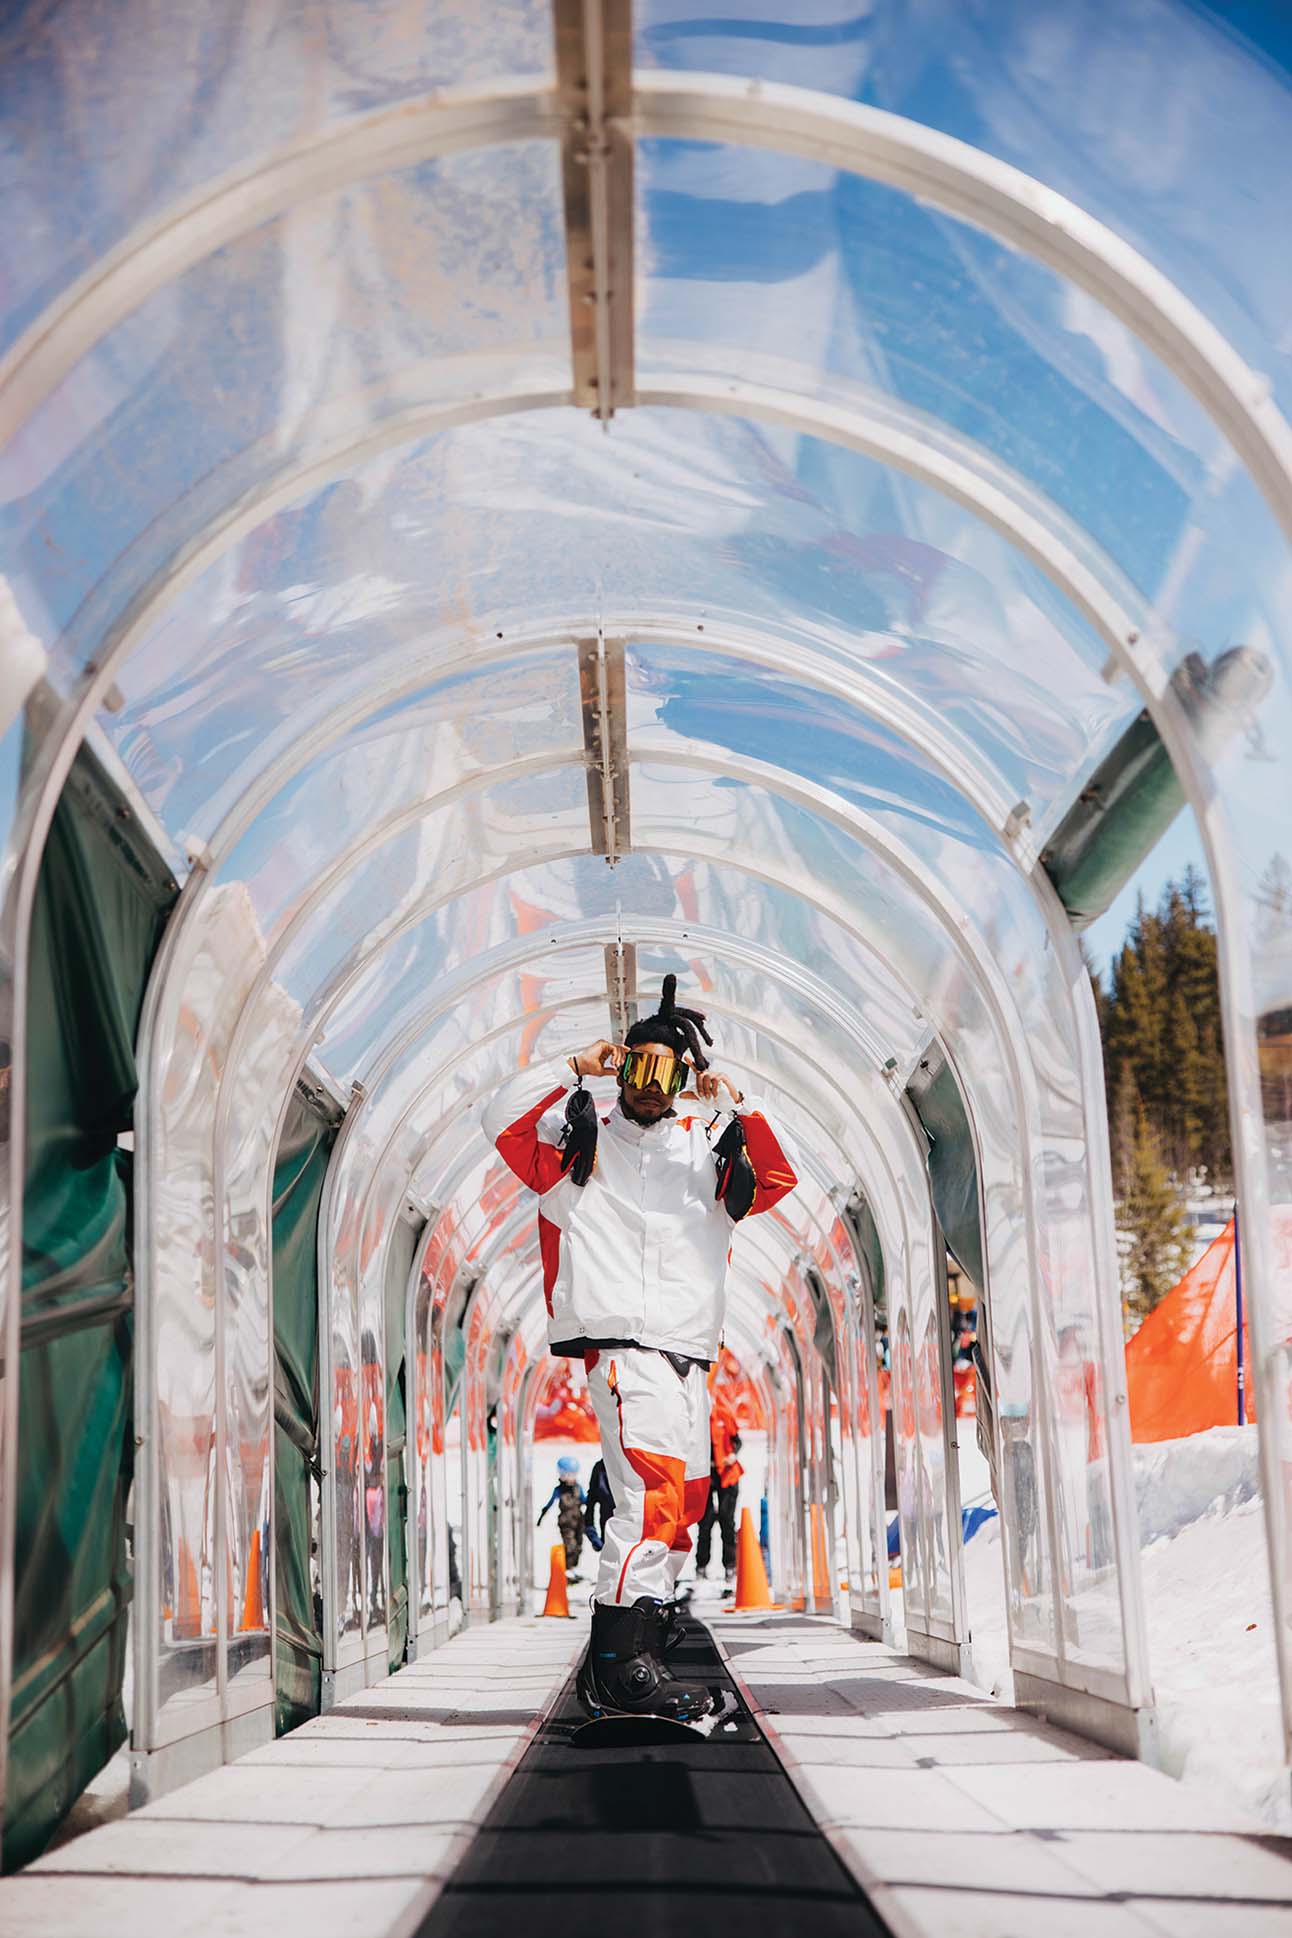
(673, 1628)
(622, 1675)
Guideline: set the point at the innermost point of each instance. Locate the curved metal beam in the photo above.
(936, 168)
(657, 932)
(991, 195)
(220, 212)
(868, 1142)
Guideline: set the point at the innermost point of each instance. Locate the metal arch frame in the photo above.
(1073, 579)
(435, 1627)
(879, 1158)
(861, 1474)
(220, 213)
(376, 835)
(147, 1480)
(1188, 345)
(1086, 579)
(873, 1150)
(1090, 1681)
(830, 1270)
(1070, 581)
(871, 1482)
(390, 827)
(1104, 1684)
(523, 1212)
(331, 1665)
(1087, 1037)
(474, 1374)
(664, 932)
(316, 1031)
(991, 195)
(853, 822)
(414, 1554)
(961, 180)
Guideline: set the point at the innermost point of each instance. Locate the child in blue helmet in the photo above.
(569, 1497)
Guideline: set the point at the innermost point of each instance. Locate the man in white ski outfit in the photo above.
(636, 1211)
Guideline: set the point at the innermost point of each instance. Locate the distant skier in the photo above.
(570, 1499)
(724, 1492)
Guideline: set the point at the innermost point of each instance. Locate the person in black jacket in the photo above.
(600, 1504)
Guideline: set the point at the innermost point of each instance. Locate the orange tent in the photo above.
(1182, 1365)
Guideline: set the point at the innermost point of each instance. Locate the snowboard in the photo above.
(612, 1732)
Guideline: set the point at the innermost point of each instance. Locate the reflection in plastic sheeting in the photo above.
(372, 1423)
(208, 1508)
(181, 105)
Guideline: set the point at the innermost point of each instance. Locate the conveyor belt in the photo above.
(649, 1841)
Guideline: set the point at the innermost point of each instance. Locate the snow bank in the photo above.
(1208, 1613)
(1178, 1481)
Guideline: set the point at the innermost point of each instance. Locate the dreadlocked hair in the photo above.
(681, 1029)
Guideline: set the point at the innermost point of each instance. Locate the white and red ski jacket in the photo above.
(639, 1254)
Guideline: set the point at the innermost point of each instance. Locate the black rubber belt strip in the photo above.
(643, 1842)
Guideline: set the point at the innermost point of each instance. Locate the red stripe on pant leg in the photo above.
(695, 1498)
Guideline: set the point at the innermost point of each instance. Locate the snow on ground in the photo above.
(1207, 1601)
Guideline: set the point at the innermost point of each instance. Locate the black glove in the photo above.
(736, 1181)
(579, 1138)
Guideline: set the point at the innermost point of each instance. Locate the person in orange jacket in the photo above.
(724, 1491)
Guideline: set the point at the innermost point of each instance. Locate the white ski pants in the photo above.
(655, 1443)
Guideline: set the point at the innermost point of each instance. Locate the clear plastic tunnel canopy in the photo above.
(515, 522)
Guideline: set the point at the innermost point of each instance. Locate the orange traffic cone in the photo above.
(820, 1566)
(751, 1576)
(253, 1601)
(558, 1601)
(188, 1614)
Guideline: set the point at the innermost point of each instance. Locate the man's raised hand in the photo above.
(708, 1085)
(601, 1059)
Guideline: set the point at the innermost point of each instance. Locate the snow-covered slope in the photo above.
(1207, 1595)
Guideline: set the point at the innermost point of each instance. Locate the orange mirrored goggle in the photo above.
(641, 1068)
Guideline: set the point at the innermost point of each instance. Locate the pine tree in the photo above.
(1126, 1111)
(1161, 1024)
(1158, 1250)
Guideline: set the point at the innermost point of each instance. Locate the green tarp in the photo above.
(953, 1169)
(301, 1166)
(1133, 795)
(101, 904)
(1124, 809)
